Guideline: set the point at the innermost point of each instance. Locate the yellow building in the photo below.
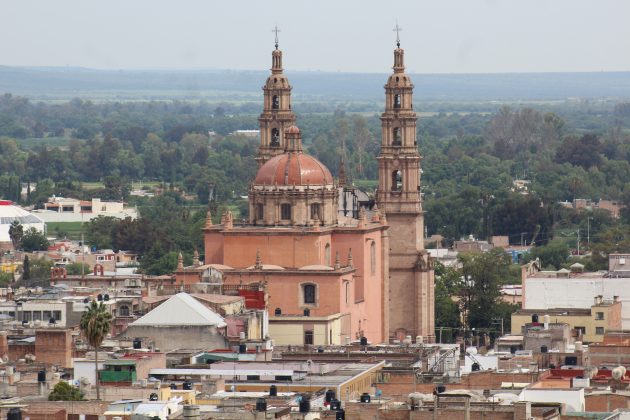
(593, 322)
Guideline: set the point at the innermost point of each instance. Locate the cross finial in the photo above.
(397, 29)
(276, 30)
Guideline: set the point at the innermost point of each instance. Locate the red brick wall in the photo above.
(606, 402)
(54, 346)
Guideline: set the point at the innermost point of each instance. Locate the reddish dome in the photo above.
(293, 169)
(293, 130)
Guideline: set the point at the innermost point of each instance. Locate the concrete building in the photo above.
(60, 209)
(180, 322)
(10, 213)
(592, 323)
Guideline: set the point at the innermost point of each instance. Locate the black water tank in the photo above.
(278, 311)
(14, 414)
(273, 391)
(86, 300)
(544, 349)
(261, 404)
(187, 385)
(307, 312)
(242, 348)
(440, 388)
(475, 367)
(52, 320)
(137, 343)
(340, 414)
(41, 376)
(305, 404)
(364, 341)
(365, 397)
(99, 297)
(106, 297)
(330, 395)
(173, 386)
(570, 361)
(153, 397)
(320, 349)
(335, 404)
(513, 349)
(535, 318)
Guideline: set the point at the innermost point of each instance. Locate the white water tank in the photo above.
(419, 339)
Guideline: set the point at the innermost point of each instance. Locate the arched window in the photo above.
(285, 211)
(259, 211)
(397, 101)
(278, 311)
(397, 141)
(315, 211)
(308, 291)
(275, 137)
(327, 255)
(396, 181)
(347, 292)
(275, 102)
(373, 257)
(123, 310)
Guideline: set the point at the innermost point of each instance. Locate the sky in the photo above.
(439, 36)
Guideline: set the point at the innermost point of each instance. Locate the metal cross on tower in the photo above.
(397, 29)
(276, 30)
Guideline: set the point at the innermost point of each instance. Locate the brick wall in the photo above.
(54, 346)
(606, 402)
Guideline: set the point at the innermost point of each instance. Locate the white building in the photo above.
(9, 213)
(61, 209)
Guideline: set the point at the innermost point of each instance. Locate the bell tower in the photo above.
(411, 269)
(277, 115)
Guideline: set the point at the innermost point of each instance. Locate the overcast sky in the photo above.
(439, 36)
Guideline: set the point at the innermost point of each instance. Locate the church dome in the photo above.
(293, 169)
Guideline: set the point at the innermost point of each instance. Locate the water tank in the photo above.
(440, 388)
(273, 391)
(14, 414)
(52, 321)
(242, 348)
(618, 373)
(578, 346)
(173, 386)
(153, 397)
(99, 297)
(544, 349)
(86, 300)
(475, 367)
(307, 312)
(335, 404)
(329, 396)
(278, 311)
(137, 343)
(534, 318)
(340, 414)
(365, 397)
(187, 385)
(241, 335)
(106, 297)
(320, 349)
(305, 404)
(261, 404)
(419, 339)
(364, 341)
(41, 376)
(513, 349)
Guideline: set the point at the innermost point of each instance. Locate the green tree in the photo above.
(95, 324)
(77, 268)
(447, 282)
(63, 391)
(34, 240)
(484, 274)
(16, 233)
(26, 268)
(554, 254)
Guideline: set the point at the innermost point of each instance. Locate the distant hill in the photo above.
(63, 83)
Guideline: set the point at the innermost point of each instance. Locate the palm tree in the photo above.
(96, 323)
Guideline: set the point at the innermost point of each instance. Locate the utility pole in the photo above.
(578, 242)
(588, 231)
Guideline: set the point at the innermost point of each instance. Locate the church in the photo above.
(331, 276)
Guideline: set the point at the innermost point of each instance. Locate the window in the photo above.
(37, 315)
(27, 316)
(278, 311)
(397, 101)
(599, 316)
(308, 337)
(315, 207)
(309, 294)
(259, 211)
(347, 292)
(57, 315)
(47, 315)
(327, 255)
(396, 181)
(397, 139)
(582, 330)
(599, 330)
(285, 211)
(373, 257)
(124, 310)
(253, 377)
(275, 102)
(275, 137)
